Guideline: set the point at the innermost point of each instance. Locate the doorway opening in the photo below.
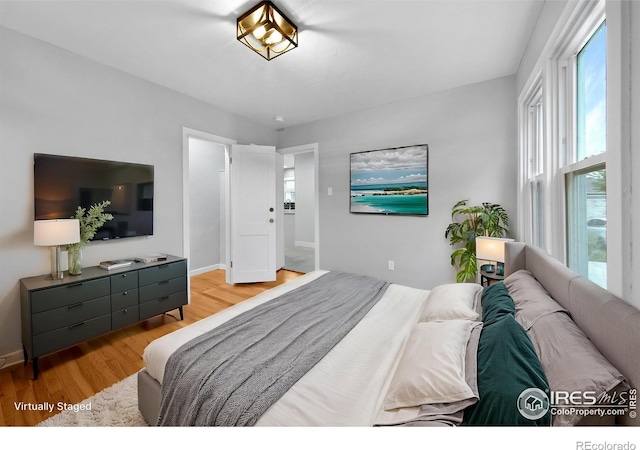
(300, 208)
(205, 159)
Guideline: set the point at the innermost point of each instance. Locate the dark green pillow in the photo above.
(507, 367)
(496, 302)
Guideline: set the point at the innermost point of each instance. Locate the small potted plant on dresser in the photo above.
(90, 223)
(488, 219)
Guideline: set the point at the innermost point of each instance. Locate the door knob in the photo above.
(271, 220)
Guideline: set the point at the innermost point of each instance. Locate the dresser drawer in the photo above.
(162, 305)
(124, 281)
(163, 272)
(124, 317)
(70, 335)
(162, 289)
(57, 314)
(69, 294)
(68, 315)
(125, 299)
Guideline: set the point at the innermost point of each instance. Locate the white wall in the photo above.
(53, 101)
(206, 160)
(547, 20)
(305, 199)
(289, 229)
(471, 133)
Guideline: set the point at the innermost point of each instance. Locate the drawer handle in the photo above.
(163, 282)
(75, 305)
(124, 275)
(125, 293)
(74, 285)
(164, 298)
(76, 325)
(125, 310)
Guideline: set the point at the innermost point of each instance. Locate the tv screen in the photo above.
(62, 183)
(391, 181)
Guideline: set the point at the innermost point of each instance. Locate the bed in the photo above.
(483, 348)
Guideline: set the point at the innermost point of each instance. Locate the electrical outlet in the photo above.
(391, 265)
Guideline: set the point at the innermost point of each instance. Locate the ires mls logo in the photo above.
(632, 403)
(533, 403)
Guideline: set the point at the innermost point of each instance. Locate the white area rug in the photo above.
(115, 406)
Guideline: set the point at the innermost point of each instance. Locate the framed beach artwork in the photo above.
(392, 181)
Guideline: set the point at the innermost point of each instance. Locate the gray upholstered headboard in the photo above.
(612, 324)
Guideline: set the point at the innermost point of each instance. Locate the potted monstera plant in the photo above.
(469, 221)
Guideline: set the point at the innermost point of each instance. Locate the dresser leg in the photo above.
(35, 368)
(25, 355)
(181, 313)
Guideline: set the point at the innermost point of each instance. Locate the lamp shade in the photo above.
(56, 232)
(267, 31)
(490, 248)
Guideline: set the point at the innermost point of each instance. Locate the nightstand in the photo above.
(488, 278)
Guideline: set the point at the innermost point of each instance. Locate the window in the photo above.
(289, 189)
(591, 95)
(534, 149)
(574, 171)
(537, 207)
(586, 217)
(536, 128)
(585, 173)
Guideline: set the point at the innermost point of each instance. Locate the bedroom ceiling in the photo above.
(352, 55)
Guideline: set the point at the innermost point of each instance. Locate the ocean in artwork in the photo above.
(398, 198)
(390, 181)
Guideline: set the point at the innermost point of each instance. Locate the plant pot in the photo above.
(75, 260)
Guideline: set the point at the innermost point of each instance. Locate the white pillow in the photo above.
(452, 301)
(432, 367)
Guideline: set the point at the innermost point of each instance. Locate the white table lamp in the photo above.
(55, 233)
(491, 249)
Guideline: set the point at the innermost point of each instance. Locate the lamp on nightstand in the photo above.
(55, 233)
(492, 250)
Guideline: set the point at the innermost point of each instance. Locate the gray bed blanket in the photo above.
(232, 374)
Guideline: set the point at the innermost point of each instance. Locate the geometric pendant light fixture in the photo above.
(267, 31)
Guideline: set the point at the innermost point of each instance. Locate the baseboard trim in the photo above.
(207, 269)
(11, 359)
(305, 244)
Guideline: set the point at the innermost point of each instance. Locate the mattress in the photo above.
(348, 385)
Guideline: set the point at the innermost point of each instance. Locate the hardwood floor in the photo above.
(79, 372)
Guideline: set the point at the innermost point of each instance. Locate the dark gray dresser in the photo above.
(60, 313)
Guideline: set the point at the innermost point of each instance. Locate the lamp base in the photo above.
(57, 275)
(56, 263)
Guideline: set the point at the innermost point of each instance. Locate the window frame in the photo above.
(573, 26)
(532, 126)
(569, 165)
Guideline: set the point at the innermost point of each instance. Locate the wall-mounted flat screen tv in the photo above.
(62, 183)
(392, 181)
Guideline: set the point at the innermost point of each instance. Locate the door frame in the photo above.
(306, 148)
(186, 134)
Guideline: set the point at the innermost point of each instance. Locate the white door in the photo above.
(252, 207)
